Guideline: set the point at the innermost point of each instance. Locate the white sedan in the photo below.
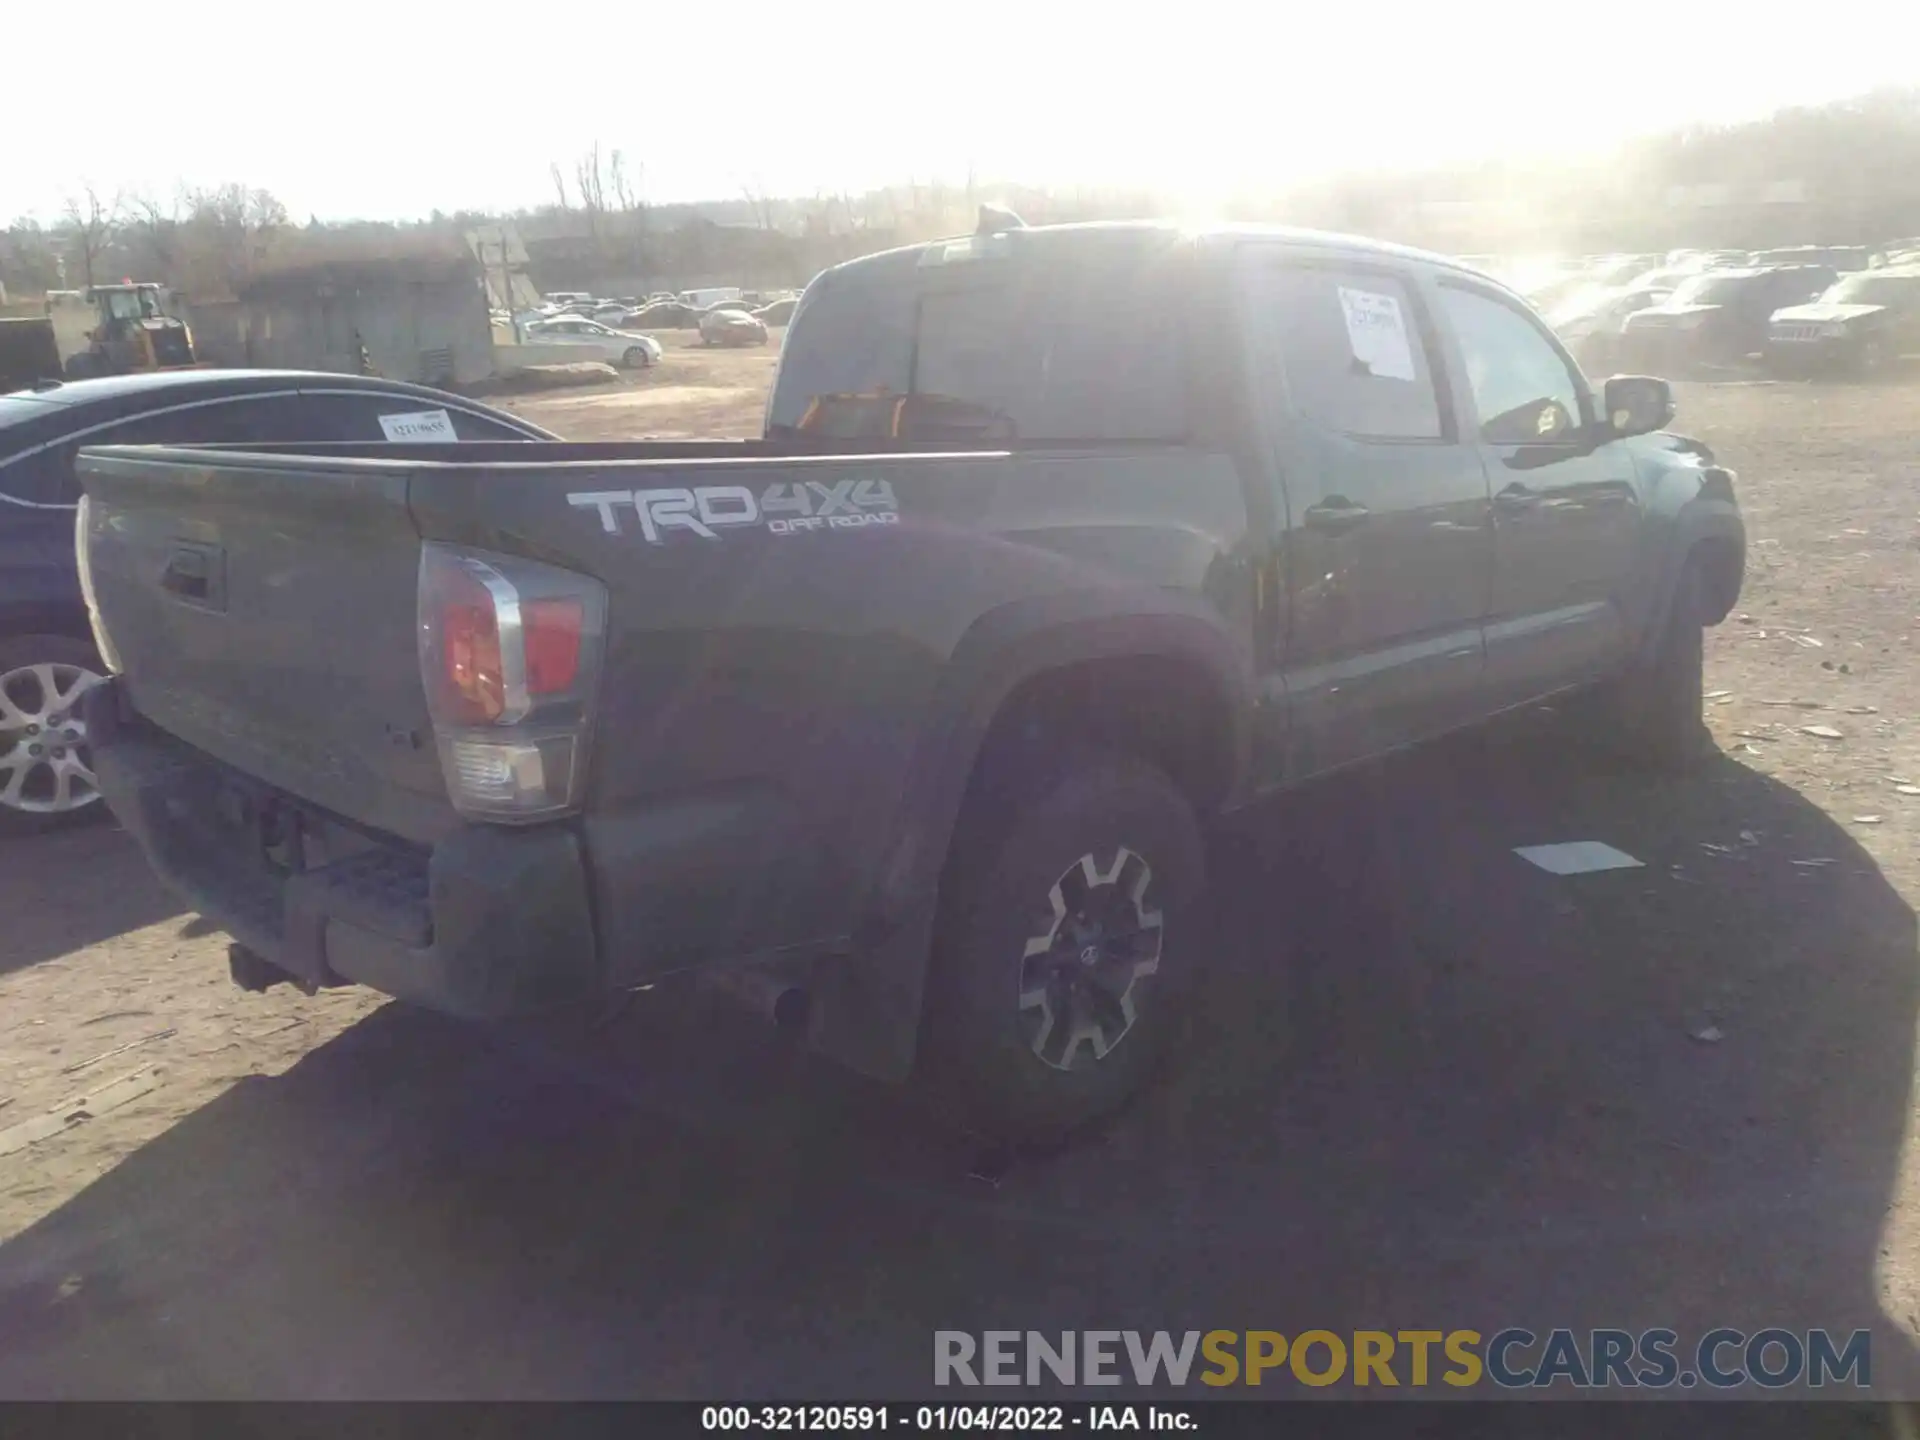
(628, 348)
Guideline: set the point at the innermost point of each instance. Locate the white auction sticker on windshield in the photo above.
(419, 425)
(1377, 331)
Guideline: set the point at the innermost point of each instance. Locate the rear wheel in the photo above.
(1873, 358)
(1061, 947)
(46, 769)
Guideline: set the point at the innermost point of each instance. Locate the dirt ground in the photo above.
(1428, 1084)
(693, 393)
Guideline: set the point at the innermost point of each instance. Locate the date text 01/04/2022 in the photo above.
(1004, 1419)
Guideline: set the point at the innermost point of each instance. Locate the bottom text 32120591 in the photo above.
(1001, 1419)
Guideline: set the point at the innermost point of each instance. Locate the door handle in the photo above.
(1335, 515)
(1515, 499)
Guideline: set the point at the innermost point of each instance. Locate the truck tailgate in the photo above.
(262, 609)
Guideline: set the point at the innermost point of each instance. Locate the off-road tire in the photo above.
(1098, 832)
(1656, 710)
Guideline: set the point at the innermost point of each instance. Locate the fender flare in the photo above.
(1019, 642)
(871, 1016)
(1706, 518)
(872, 997)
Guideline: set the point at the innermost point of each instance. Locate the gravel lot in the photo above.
(1429, 1085)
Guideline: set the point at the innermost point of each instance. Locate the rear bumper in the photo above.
(485, 924)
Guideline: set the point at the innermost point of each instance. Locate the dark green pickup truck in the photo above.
(906, 718)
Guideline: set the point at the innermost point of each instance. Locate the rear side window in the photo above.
(344, 415)
(1086, 344)
(224, 422)
(1350, 344)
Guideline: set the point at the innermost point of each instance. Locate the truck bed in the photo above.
(781, 633)
(262, 599)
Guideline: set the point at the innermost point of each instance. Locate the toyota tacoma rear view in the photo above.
(907, 717)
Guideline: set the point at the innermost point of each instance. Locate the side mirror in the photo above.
(1637, 405)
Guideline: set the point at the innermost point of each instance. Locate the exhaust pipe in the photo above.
(773, 994)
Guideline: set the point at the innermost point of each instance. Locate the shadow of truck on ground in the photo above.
(1429, 1086)
(63, 891)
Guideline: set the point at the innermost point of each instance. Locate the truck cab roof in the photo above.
(1054, 335)
(1057, 239)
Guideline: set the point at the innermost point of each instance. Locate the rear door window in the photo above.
(1352, 345)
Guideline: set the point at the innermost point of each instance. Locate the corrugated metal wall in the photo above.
(413, 330)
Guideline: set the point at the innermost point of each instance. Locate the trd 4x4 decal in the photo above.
(783, 508)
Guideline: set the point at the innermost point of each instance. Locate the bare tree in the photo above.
(632, 209)
(559, 184)
(157, 226)
(228, 231)
(90, 226)
(625, 194)
(30, 256)
(586, 174)
(592, 189)
(760, 206)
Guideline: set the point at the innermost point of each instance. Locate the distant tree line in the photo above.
(1841, 173)
(207, 240)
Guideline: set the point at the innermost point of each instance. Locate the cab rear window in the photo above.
(1081, 341)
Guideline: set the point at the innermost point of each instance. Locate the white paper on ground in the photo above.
(1577, 857)
(419, 425)
(1377, 331)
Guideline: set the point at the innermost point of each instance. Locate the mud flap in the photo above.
(866, 1010)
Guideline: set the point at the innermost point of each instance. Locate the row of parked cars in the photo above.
(615, 331)
(1800, 311)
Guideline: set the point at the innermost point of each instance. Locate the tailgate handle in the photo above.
(197, 573)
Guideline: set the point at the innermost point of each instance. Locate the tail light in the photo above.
(510, 655)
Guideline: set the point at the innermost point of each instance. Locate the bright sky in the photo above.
(389, 110)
